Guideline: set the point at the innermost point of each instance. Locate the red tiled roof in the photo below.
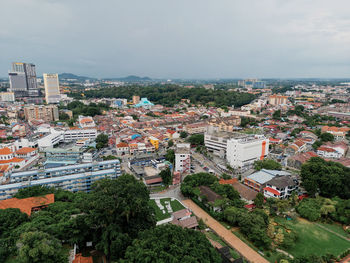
(25, 150)
(271, 190)
(154, 180)
(325, 149)
(80, 259)
(122, 144)
(5, 151)
(27, 204)
(13, 160)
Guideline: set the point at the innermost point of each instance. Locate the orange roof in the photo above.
(13, 160)
(84, 120)
(80, 259)
(5, 151)
(122, 144)
(25, 150)
(27, 204)
(4, 168)
(228, 181)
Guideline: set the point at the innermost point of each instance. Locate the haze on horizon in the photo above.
(178, 39)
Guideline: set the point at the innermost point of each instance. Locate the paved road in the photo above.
(172, 192)
(250, 254)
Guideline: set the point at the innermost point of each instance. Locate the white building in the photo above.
(241, 150)
(86, 122)
(7, 96)
(183, 158)
(52, 88)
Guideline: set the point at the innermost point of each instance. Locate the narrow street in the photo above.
(250, 254)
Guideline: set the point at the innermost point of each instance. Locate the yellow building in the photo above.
(154, 141)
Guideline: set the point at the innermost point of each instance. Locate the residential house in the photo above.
(339, 133)
(28, 205)
(122, 148)
(297, 160)
(328, 152)
(210, 196)
(280, 187)
(257, 180)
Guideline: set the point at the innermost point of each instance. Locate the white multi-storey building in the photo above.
(183, 158)
(241, 150)
(52, 88)
(73, 178)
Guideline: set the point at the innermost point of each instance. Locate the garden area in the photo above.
(168, 206)
(313, 239)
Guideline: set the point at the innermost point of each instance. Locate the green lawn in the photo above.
(175, 205)
(312, 239)
(336, 228)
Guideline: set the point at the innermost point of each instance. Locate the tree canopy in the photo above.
(327, 178)
(168, 95)
(169, 243)
(267, 164)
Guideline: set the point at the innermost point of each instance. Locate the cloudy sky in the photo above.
(178, 38)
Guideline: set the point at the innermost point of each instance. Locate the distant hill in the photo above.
(72, 76)
(132, 78)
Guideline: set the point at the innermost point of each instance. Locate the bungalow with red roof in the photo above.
(122, 148)
(297, 160)
(28, 205)
(26, 152)
(328, 152)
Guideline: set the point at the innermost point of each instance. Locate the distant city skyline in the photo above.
(182, 39)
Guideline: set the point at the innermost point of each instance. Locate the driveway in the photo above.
(250, 254)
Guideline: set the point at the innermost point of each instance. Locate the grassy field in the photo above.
(313, 239)
(336, 228)
(216, 238)
(175, 205)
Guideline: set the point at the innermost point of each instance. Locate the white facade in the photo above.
(7, 96)
(183, 158)
(243, 152)
(52, 88)
(79, 134)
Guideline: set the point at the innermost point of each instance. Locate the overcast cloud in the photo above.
(178, 38)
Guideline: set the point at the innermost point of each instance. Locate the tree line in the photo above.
(169, 95)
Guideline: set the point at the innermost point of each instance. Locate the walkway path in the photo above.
(247, 252)
(331, 231)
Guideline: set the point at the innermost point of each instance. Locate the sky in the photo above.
(178, 38)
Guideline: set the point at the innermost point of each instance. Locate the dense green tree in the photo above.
(196, 139)
(101, 141)
(37, 190)
(193, 180)
(310, 209)
(327, 137)
(169, 243)
(166, 176)
(259, 200)
(117, 210)
(183, 134)
(63, 116)
(267, 164)
(330, 179)
(277, 115)
(170, 156)
(168, 95)
(38, 247)
(170, 143)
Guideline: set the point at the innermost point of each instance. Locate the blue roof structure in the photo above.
(144, 103)
(265, 175)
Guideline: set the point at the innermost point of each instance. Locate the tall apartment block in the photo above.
(23, 80)
(52, 88)
(39, 112)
